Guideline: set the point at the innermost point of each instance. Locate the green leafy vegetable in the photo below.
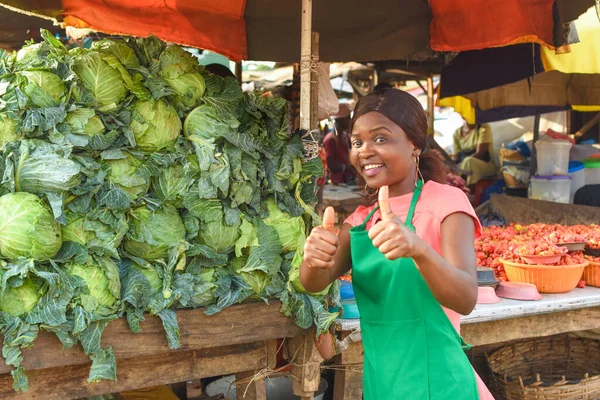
(155, 125)
(27, 228)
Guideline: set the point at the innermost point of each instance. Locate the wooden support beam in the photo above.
(587, 126)
(305, 62)
(430, 106)
(306, 365)
(314, 83)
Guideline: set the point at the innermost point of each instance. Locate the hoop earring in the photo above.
(369, 191)
(418, 174)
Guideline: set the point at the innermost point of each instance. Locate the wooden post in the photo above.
(305, 62)
(246, 389)
(314, 83)
(430, 106)
(587, 126)
(536, 136)
(306, 365)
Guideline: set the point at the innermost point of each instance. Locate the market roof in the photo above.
(270, 30)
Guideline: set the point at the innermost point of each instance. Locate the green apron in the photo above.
(412, 351)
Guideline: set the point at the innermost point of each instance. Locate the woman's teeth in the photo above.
(372, 166)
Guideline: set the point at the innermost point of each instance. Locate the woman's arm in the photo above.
(322, 263)
(452, 277)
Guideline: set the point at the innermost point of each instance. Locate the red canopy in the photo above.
(349, 30)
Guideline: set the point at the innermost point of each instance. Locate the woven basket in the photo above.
(550, 368)
(591, 274)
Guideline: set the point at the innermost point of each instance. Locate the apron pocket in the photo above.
(396, 359)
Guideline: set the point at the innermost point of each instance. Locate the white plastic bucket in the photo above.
(551, 188)
(553, 157)
(278, 388)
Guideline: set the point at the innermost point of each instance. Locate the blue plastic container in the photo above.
(346, 290)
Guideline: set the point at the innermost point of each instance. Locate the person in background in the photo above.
(472, 152)
(337, 149)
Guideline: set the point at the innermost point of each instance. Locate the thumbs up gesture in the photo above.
(390, 235)
(322, 243)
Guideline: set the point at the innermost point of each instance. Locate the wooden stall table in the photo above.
(343, 198)
(487, 325)
(240, 340)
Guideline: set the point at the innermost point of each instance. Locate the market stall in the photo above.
(489, 325)
(222, 338)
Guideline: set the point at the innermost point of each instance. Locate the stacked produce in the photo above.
(514, 241)
(133, 181)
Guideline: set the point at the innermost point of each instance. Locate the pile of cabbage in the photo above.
(135, 182)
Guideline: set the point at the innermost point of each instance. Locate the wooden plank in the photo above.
(491, 332)
(526, 211)
(238, 324)
(70, 382)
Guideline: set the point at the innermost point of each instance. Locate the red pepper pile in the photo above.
(536, 239)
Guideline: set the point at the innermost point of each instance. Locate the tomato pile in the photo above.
(536, 239)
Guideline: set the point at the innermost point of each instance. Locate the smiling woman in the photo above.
(412, 274)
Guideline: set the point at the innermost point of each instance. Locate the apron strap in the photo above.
(364, 224)
(411, 210)
(413, 205)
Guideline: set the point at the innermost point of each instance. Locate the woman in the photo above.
(412, 274)
(471, 150)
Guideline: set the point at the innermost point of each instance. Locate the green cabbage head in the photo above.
(123, 172)
(151, 233)
(8, 130)
(84, 121)
(120, 50)
(95, 234)
(44, 89)
(291, 230)
(155, 125)
(172, 184)
(17, 301)
(152, 276)
(101, 277)
(103, 81)
(27, 228)
(219, 236)
(180, 70)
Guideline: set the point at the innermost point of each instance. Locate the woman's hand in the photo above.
(390, 235)
(322, 243)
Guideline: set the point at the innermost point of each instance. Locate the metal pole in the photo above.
(536, 136)
(305, 61)
(430, 105)
(238, 71)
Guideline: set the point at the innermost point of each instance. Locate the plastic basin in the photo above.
(591, 274)
(487, 295)
(518, 291)
(544, 260)
(547, 278)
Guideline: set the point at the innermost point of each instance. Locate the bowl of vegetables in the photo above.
(540, 253)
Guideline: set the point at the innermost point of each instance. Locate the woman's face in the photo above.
(381, 152)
